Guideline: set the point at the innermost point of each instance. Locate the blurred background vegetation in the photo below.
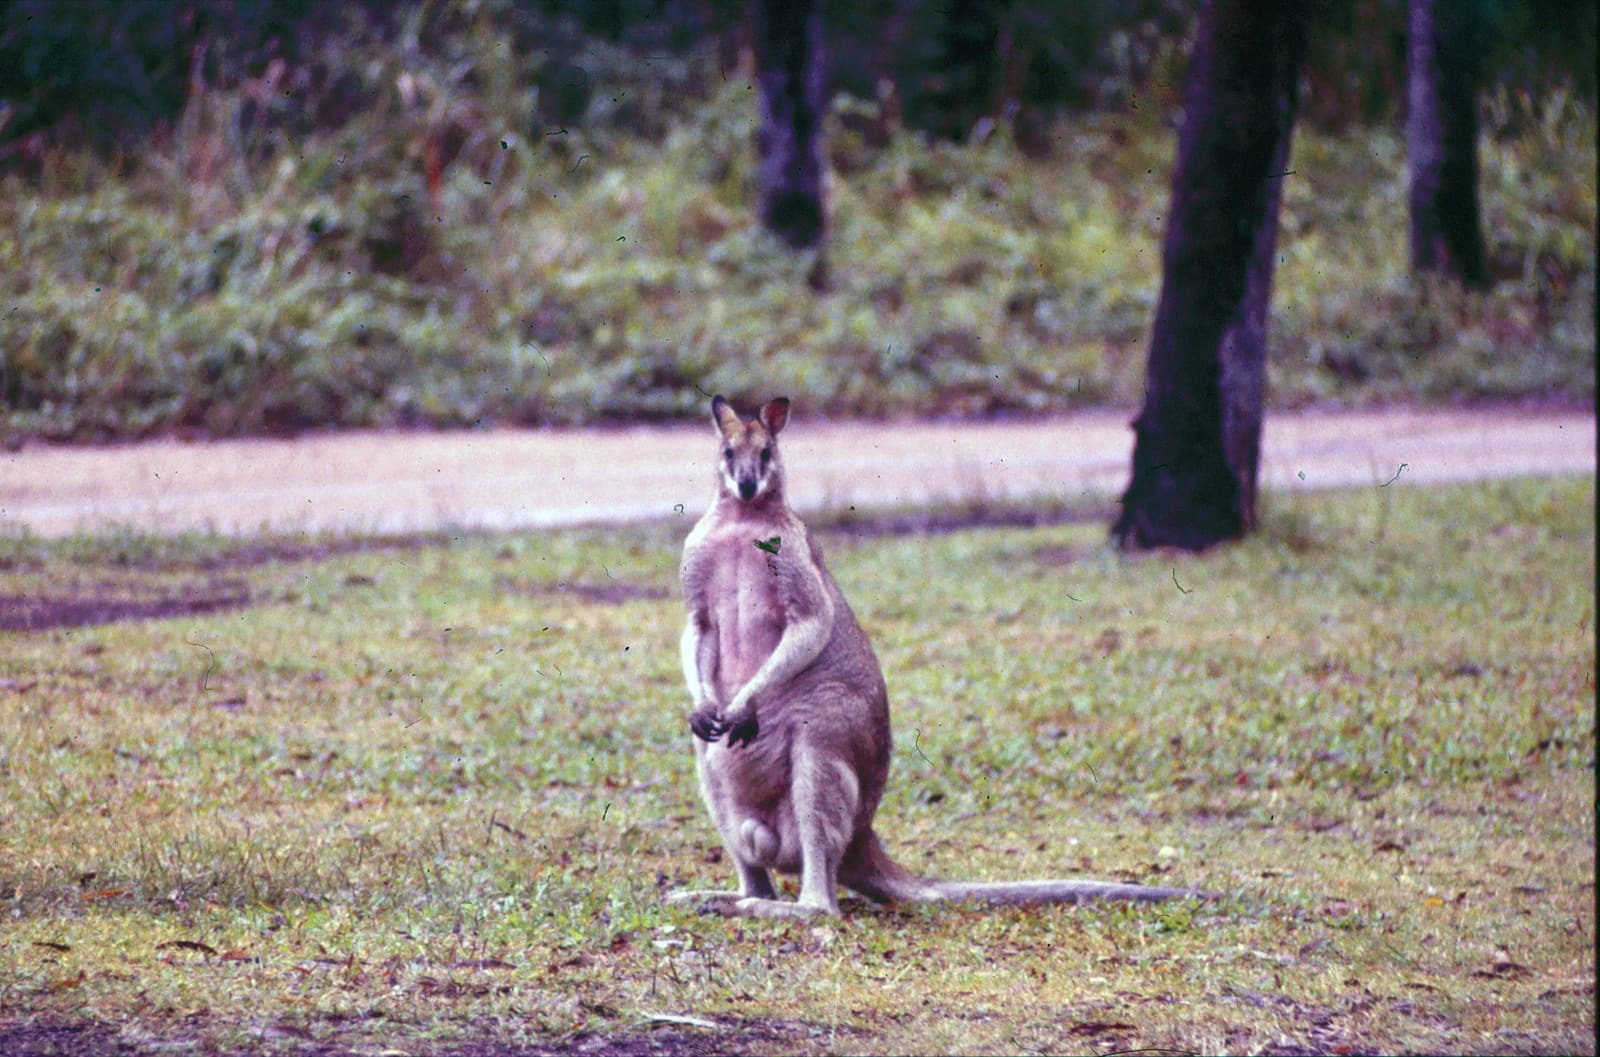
(264, 216)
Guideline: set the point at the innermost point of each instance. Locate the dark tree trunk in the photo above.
(787, 35)
(1445, 48)
(963, 85)
(1197, 439)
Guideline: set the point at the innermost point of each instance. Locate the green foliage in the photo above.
(112, 71)
(1393, 336)
(435, 220)
(426, 795)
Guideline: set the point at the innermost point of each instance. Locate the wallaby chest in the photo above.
(738, 577)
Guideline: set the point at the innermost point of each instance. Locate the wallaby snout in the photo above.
(748, 483)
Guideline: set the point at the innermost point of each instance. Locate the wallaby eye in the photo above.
(766, 455)
(727, 453)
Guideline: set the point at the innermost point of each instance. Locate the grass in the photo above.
(426, 795)
(262, 269)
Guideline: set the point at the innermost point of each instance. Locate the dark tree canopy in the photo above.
(117, 68)
(1198, 434)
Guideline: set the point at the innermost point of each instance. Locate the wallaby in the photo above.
(791, 715)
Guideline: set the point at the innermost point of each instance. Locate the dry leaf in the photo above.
(188, 945)
(1502, 967)
(678, 1018)
(1099, 1027)
(107, 893)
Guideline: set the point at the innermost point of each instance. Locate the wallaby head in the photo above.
(750, 468)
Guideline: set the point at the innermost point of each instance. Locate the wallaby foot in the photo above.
(779, 909)
(737, 905)
(707, 899)
(772, 909)
(754, 884)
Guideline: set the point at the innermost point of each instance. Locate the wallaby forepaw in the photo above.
(706, 724)
(741, 729)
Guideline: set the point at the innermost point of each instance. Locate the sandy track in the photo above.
(500, 479)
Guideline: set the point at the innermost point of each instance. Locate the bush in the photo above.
(386, 231)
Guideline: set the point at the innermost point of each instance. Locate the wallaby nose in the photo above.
(747, 488)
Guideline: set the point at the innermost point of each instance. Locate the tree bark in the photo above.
(787, 39)
(1197, 439)
(962, 88)
(1443, 54)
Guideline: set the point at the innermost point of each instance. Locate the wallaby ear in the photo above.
(774, 414)
(723, 414)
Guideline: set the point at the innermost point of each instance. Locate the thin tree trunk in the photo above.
(1197, 438)
(969, 41)
(1444, 50)
(788, 50)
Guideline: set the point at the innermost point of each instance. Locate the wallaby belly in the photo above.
(747, 616)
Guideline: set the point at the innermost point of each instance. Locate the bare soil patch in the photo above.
(108, 603)
(89, 1038)
(63, 1039)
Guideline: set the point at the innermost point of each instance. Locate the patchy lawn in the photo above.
(313, 796)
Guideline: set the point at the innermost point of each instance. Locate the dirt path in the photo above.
(404, 482)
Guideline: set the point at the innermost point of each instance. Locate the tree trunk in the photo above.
(1198, 436)
(788, 50)
(962, 87)
(1444, 50)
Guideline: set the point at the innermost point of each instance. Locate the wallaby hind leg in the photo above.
(824, 794)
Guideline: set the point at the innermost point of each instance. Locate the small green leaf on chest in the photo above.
(770, 546)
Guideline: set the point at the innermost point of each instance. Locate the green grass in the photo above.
(430, 793)
(259, 271)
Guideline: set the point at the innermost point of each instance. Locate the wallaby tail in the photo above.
(1025, 893)
(870, 871)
